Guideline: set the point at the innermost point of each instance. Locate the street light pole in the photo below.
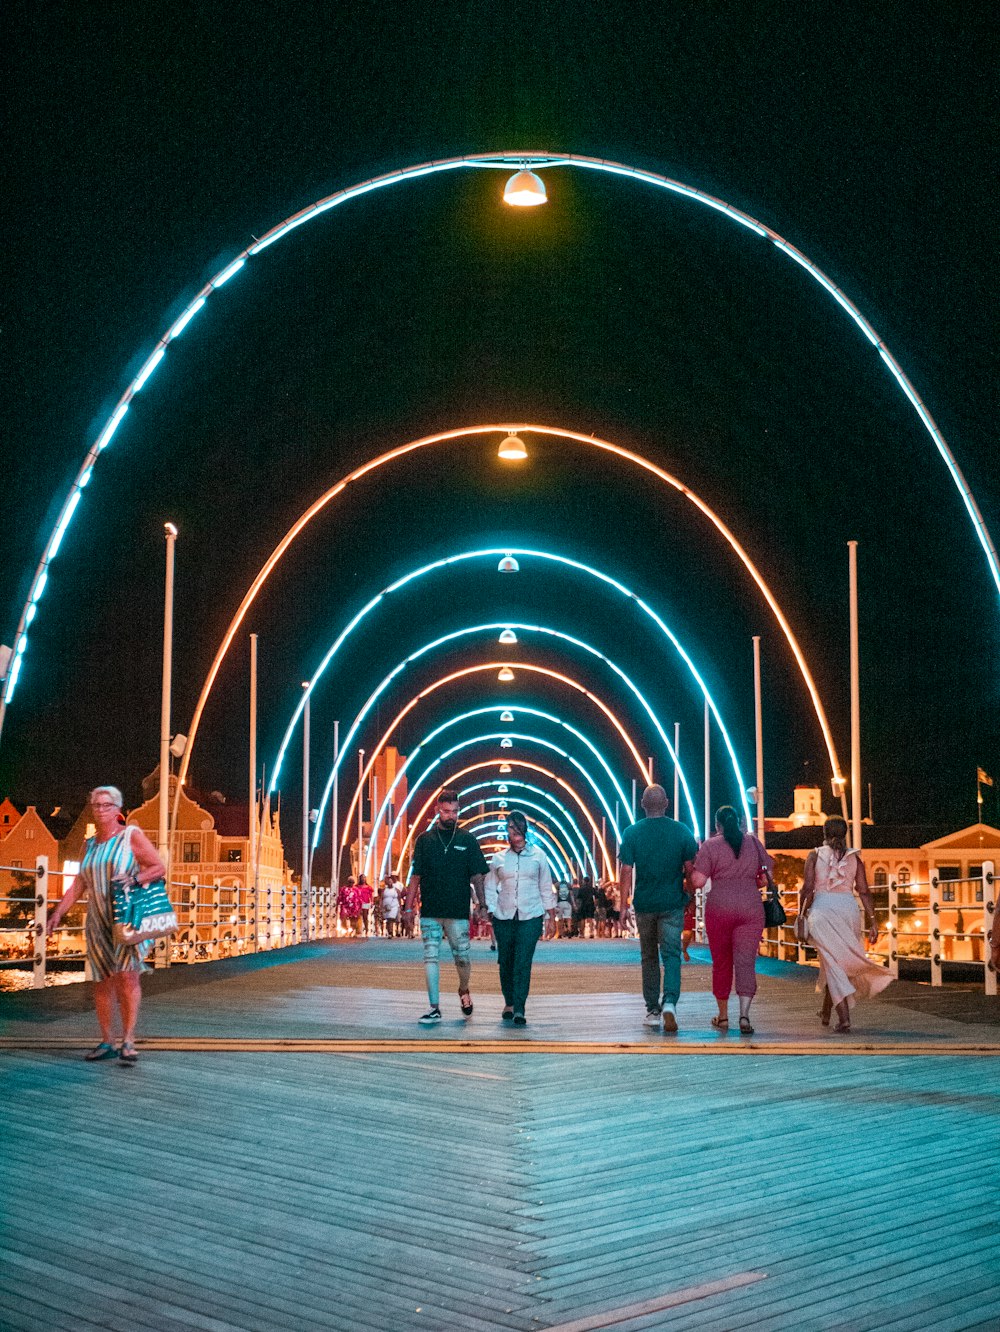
(304, 903)
(852, 550)
(677, 770)
(335, 861)
(361, 808)
(163, 836)
(252, 800)
(759, 729)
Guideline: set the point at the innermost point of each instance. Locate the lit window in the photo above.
(881, 877)
(903, 875)
(192, 851)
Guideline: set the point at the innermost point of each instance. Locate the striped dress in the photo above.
(101, 862)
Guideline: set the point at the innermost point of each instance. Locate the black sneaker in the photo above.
(431, 1017)
(520, 1020)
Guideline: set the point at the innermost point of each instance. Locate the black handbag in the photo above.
(774, 912)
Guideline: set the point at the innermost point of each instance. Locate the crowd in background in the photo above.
(579, 909)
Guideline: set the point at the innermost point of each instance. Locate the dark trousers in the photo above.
(516, 941)
(660, 942)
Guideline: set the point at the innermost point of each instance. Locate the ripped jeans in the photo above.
(457, 933)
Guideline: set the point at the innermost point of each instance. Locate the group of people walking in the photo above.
(661, 867)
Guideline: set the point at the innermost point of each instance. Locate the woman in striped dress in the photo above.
(113, 853)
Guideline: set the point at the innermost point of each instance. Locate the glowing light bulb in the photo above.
(507, 636)
(506, 743)
(506, 715)
(508, 565)
(512, 449)
(505, 674)
(525, 190)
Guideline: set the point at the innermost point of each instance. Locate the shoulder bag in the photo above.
(141, 911)
(774, 912)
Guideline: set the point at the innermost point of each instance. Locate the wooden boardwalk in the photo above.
(395, 1185)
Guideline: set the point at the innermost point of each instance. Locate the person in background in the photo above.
(564, 909)
(366, 896)
(115, 853)
(734, 912)
(688, 930)
(446, 859)
(656, 853)
(586, 908)
(518, 887)
(390, 907)
(833, 875)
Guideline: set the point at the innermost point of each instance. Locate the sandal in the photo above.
(842, 1027)
(128, 1055)
(102, 1051)
(746, 1027)
(720, 1023)
(465, 999)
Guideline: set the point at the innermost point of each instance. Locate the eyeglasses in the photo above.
(103, 804)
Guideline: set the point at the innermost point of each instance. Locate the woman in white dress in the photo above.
(834, 873)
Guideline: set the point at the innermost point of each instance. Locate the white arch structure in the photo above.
(535, 160)
(387, 680)
(515, 762)
(472, 670)
(582, 854)
(578, 566)
(491, 710)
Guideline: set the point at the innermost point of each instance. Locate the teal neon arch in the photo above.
(539, 809)
(521, 553)
(534, 160)
(491, 710)
(496, 826)
(481, 739)
(524, 628)
(574, 828)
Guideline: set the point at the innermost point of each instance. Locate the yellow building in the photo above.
(219, 899)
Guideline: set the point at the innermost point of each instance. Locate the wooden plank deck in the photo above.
(430, 1187)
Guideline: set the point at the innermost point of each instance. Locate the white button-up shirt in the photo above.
(519, 884)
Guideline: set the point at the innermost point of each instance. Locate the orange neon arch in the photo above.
(463, 432)
(470, 670)
(567, 857)
(515, 763)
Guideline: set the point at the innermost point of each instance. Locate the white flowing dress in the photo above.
(835, 932)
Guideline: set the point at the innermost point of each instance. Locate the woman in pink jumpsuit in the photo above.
(734, 912)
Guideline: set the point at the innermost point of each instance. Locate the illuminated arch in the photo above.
(507, 780)
(480, 628)
(490, 553)
(554, 853)
(471, 670)
(514, 763)
(490, 710)
(478, 740)
(554, 824)
(555, 432)
(502, 161)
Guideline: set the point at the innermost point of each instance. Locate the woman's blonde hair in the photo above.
(112, 792)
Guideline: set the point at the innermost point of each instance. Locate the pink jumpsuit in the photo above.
(734, 912)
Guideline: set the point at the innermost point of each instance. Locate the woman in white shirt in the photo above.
(518, 891)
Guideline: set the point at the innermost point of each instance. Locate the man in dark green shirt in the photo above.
(655, 855)
(446, 860)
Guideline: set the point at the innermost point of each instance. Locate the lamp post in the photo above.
(852, 549)
(163, 836)
(252, 874)
(759, 734)
(304, 882)
(335, 861)
(361, 809)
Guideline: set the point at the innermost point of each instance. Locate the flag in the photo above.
(983, 777)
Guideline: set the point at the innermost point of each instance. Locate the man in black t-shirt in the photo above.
(445, 861)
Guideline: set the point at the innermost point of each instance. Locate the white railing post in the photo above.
(41, 914)
(934, 927)
(989, 925)
(893, 929)
(215, 936)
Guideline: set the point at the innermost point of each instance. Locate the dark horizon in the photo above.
(613, 310)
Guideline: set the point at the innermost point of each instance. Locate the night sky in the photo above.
(146, 147)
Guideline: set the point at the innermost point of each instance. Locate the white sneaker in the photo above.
(669, 1018)
(652, 1018)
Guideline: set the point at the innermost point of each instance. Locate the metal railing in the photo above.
(932, 922)
(215, 921)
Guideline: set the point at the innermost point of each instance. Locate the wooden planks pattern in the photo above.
(439, 1190)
